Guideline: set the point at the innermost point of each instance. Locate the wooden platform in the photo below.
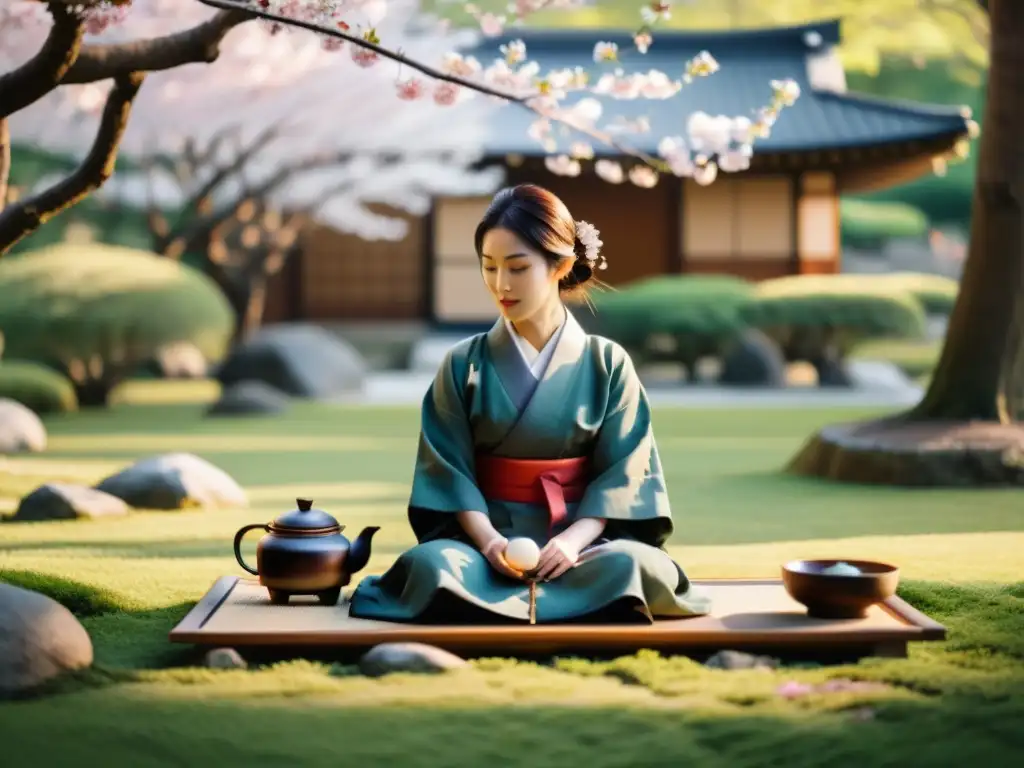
(755, 615)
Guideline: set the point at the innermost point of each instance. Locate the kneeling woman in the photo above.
(535, 429)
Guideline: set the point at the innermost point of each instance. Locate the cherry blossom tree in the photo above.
(712, 143)
(231, 159)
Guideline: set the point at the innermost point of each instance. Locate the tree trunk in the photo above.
(962, 432)
(5, 160)
(94, 393)
(256, 303)
(982, 342)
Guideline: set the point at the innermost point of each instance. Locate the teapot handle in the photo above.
(238, 544)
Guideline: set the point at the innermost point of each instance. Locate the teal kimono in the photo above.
(587, 402)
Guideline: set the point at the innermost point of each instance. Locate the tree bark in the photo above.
(48, 68)
(962, 432)
(200, 44)
(255, 304)
(5, 161)
(970, 378)
(94, 393)
(20, 219)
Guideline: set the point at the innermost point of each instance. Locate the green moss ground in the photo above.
(147, 703)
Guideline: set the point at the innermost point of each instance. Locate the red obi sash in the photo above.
(551, 482)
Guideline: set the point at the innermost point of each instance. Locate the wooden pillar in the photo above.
(818, 243)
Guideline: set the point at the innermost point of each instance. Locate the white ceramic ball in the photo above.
(522, 554)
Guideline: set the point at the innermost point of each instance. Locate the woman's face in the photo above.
(519, 278)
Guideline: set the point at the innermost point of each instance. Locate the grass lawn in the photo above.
(148, 703)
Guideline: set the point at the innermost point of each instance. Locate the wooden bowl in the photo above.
(835, 596)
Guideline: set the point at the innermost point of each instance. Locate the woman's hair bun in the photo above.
(582, 271)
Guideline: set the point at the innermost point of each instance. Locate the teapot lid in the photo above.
(305, 518)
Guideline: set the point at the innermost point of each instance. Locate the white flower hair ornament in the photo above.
(590, 236)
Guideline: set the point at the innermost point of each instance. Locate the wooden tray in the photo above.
(749, 614)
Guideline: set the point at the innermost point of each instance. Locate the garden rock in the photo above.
(248, 398)
(300, 360)
(739, 660)
(21, 430)
(65, 501)
(832, 371)
(182, 360)
(174, 481)
(225, 658)
(39, 640)
(408, 657)
(878, 375)
(756, 360)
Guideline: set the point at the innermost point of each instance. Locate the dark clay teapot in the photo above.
(304, 553)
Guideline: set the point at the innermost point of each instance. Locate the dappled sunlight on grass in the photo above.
(324, 493)
(166, 391)
(132, 579)
(220, 443)
(56, 469)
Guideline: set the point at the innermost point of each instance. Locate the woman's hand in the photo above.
(557, 557)
(494, 551)
(562, 552)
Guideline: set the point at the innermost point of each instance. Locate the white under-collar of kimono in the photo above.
(536, 361)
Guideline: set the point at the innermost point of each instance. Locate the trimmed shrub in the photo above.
(866, 224)
(37, 387)
(819, 318)
(98, 311)
(693, 314)
(856, 305)
(914, 357)
(936, 293)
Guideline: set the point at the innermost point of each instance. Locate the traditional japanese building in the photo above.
(779, 217)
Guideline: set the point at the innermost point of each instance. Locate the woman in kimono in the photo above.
(535, 429)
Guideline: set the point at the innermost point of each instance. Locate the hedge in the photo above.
(678, 305)
(867, 224)
(860, 306)
(671, 317)
(82, 301)
(936, 293)
(37, 387)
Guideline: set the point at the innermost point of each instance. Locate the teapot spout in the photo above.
(359, 554)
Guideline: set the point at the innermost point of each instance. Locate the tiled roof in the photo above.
(749, 59)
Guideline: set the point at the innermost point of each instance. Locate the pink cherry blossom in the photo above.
(610, 171)
(99, 18)
(364, 58)
(792, 689)
(713, 145)
(492, 25)
(411, 89)
(643, 176)
(446, 93)
(261, 83)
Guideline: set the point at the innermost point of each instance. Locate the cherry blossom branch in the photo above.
(25, 216)
(199, 229)
(356, 40)
(48, 68)
(5, 160)
(196, 158)
(528, 101)
(200, 44)
(224, 172)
